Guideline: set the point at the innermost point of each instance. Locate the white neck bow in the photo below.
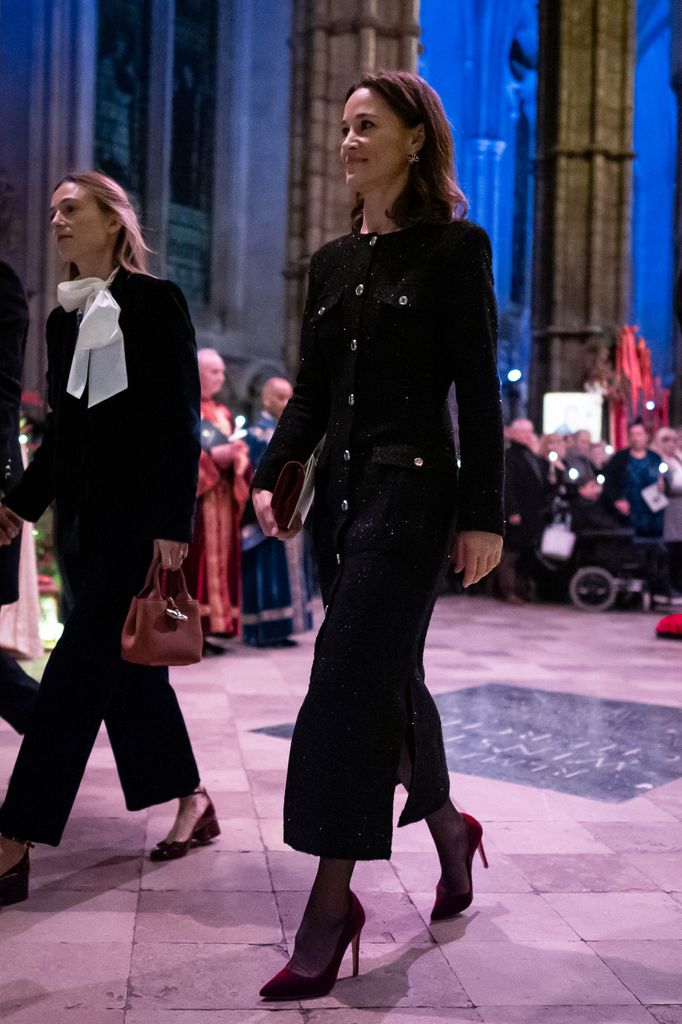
(99, 357)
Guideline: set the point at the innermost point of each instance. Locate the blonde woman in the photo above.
(119, 458)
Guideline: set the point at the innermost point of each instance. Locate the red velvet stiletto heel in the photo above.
(447, 905)
(290, 985)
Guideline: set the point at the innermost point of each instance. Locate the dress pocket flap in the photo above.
(408, 295)
(325, 304)
(413, 457)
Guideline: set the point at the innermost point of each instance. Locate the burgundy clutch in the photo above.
(294, 491)
(287, 493)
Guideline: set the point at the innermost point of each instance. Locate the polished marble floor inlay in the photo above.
(610, 750)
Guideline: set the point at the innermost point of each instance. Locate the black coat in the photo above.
(527, 493)
(130, 462)
(390, 322)
(13, 327)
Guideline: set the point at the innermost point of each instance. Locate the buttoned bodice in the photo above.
(390, 322)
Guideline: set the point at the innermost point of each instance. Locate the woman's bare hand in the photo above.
(262, 503)
(476, 554)
(232, 453)
(10, 525)
(171, 553)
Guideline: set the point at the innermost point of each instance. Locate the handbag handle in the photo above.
(154, 585)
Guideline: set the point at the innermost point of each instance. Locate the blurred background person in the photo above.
(628, 472)
(18, 690)
(579, 457)
(667, 444)
(526, 494)
(213, 565)
(276, 598)
(552, 448)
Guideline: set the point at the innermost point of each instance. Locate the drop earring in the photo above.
(413, 158)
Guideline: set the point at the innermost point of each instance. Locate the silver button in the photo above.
(354, 345)
(338, 558)
(344, 505)
(360, 289)
(321, 310)
(373, 240)
(351, 399)
(402, 301)
(418, 461)
(346, 456)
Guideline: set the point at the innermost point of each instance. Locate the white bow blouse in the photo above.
(99, 357)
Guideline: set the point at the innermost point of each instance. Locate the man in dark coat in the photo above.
(526, 495)
(17, 689)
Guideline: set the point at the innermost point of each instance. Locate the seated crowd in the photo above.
(595, 489)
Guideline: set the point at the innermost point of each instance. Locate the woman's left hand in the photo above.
(171, 553)
(476, 554)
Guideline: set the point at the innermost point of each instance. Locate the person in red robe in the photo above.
(212, 567)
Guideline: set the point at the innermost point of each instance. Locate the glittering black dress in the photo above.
(390, 322)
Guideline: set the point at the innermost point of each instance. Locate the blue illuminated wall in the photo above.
(481, 57)
(654, 184)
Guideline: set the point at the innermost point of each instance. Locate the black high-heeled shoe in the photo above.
(14, 881)
(206, 829)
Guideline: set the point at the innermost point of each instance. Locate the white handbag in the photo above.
(558, 541)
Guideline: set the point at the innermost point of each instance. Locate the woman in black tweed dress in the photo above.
(396, 311)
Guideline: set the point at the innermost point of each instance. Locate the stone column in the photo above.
(333, 42)
(581, 274)
(47, 74)
(676, 82)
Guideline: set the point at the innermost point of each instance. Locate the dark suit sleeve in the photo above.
(471, 313)
(305, 418)
(614, 479)
(169, 412)
(36, 489)
(13, 325)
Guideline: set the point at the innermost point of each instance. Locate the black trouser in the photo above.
(18, 693)
(84, 683)
(675, 563)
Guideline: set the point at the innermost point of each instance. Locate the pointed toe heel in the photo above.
(289, 984)
(450, 904)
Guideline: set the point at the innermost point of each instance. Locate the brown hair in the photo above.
(432, 192)
(130, 249)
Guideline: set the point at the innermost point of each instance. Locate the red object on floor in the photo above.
(670, 627)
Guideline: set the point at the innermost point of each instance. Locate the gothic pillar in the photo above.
(581, 278)
(333, 42)
(47, 74)
(676, 82)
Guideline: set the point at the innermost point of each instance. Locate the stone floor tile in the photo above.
(271, 830)
(393, 975)
(535, 974)
(227, 917)
(639, 810)
(112, 834)
(292, 871)
(158, 1015)
(88, 870)
(390, 917)
(549, 837)
(44, 982)
(417, 870)
(395, 1015)
(651, 969)
(60, 916)
(627, 915)
(622, 837)
(208, 976)
(584, 872)
(498, 917)
(667, 1014)
(665, 869)
(565, 1015)
(216, 871)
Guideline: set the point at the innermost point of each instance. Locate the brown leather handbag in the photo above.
(163, 624)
